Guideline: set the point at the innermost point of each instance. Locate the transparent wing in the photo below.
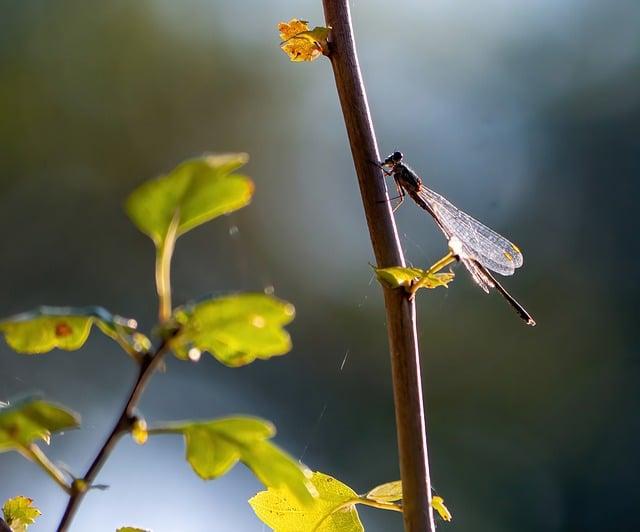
(479, 242)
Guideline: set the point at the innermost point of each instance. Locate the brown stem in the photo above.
(80, 486)
(4, 527)
(401, 321)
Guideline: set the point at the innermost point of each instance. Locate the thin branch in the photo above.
(4, 527)
(80, 486)
(401, 321)
(34, 453)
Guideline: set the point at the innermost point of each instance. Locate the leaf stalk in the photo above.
(35, 454)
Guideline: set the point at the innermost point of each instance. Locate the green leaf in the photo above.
(397, 276)
(199, 190)
(214, 447)
(389, 492)
(19, 513)
(131, 529)
(332, 511)
(32, 419)
(235, 329)
(46, 328)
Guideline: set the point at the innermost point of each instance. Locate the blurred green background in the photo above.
(525, 114)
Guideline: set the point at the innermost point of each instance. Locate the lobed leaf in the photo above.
(235, 329)
(19, 513)
(32, 419)
(332, 511)
(197, 190)
(46, 328)
(397, 276)
(214, 447)
(302, 44)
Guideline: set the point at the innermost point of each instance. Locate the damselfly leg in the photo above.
(438, 266)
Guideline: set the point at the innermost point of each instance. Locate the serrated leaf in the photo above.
(131, 529)
(32, 419)
(19, 513)
(388, 492)
(235, 329)
(300, 43)
(331, 511)
(46, 328)
(197, 190)
(397, 276)
(214, 447)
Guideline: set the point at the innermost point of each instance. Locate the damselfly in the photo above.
(479, 248)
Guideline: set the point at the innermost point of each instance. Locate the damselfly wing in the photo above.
(477, 246)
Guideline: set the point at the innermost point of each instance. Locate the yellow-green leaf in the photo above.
(131, 529)
(397, 276)
(31, 419)
(19, 513)
(388, 492)
(235, 329)
(332, 511)
(438, 505)
(197, 190)
(214, 447)
(47, 328)
(302, 44)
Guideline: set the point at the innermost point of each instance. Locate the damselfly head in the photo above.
(393, 159)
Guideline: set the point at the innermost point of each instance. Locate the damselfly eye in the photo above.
(397, 156)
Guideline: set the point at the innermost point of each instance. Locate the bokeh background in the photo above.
(525, 114)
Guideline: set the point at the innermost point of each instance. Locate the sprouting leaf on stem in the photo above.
(388, 492)
(438, 505)
(302, 44)
(235, 329)
(32, 419)
(139, 431)
(19, 513)
(198, 190)
(333, 510)
(214, 447)
(397, 276)
(47, 328)
(392, 492)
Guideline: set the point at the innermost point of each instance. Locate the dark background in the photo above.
(525, 114)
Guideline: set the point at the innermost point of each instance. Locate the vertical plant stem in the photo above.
(164, 252)
(401, 317)
(163, 286)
